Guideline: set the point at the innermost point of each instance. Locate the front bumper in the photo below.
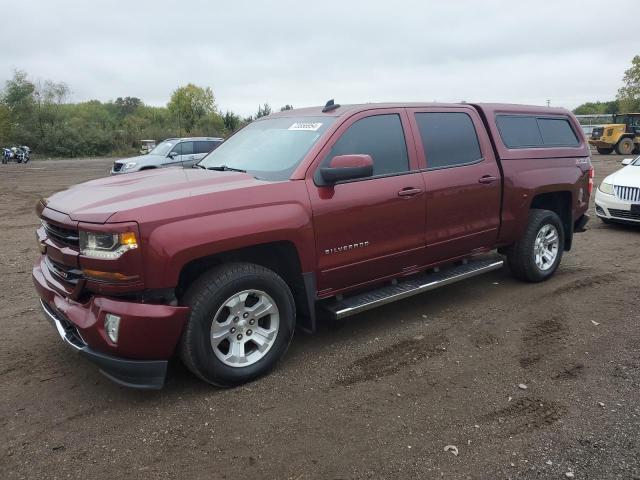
(612, 208)
(147, 338)
(597, 143)
(143, 374)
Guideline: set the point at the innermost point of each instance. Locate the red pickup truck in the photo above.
(335, 209)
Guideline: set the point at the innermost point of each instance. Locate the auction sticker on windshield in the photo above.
(308, 126)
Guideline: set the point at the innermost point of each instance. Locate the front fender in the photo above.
(171, 246)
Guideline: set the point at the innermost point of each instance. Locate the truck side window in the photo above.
(381, 137)
(557, 131)
(527, 131)
(449, 139)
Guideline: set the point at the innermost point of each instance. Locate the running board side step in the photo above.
(414, 285)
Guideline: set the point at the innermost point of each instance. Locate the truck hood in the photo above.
(628, 176)
(97, 201)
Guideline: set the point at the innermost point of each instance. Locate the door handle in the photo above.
(486, 179)
(409, 192)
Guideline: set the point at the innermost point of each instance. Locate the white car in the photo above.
(618, 196)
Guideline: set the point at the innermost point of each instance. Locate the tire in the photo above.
(523, 258)
(625, 146)
(205, 338)
(604, 151)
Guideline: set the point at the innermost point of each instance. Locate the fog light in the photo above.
(111, 326)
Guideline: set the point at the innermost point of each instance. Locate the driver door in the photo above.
(372, 228)
(183, 154)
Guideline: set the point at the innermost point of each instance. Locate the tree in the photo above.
(128, 105)
(190, 104)
(6, 129)
(263, 110)
(597, 108)
(286, 107)
(629, 93)
(231, 121)
(18, 92)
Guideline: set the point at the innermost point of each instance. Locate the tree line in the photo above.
(40, 115)
(627, 99)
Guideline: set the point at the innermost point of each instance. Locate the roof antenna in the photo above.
(330, 105)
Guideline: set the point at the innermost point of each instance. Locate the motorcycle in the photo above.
(20, 154)
(27, 153)
(7, 155)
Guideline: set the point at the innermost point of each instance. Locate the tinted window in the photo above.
(204, 147)
(557, 131)
(381, 137)
(183, 148)
(521, 131)
(449, 139)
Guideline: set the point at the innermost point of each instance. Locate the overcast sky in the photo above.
(304, 52)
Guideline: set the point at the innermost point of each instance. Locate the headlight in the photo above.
(107, 246)
(129, 165)
(606, 188)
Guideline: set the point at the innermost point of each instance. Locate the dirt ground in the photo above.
(379, 396)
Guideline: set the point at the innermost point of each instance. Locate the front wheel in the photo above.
(241, 323)
(536, 256)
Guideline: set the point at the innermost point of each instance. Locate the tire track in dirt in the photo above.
(541, 338)
(392, 359)
(525, 414)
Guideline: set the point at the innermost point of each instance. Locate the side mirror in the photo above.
(627, 161)
(173, 154)
(347, 167)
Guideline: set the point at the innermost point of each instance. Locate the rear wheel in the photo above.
(604, 151)
(241, 323)
(536, 256)
(625, 146)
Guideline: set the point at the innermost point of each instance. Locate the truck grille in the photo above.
(629, 194)
(63, 272)
(62, 235)
(626, 214)
(117, 166)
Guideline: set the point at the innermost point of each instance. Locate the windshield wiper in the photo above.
(197, 165)
(224, 168)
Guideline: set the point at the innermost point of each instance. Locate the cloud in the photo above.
(303, 53)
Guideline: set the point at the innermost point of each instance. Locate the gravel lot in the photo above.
(379, 396)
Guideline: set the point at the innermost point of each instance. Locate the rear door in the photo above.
(370, 228)
(462, 179)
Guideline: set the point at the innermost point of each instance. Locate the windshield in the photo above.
(163, 148)
(269, 149)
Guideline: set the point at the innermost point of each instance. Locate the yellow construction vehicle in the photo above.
(623, 135)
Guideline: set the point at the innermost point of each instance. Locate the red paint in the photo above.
(349, 235)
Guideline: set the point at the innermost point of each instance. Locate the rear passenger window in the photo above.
(381, 137)
(523, 131)
(557, 131)
(203, 147)
(449, 139)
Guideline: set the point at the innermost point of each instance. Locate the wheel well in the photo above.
(280, 257)
(560, 203)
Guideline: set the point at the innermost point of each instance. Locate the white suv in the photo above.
(184, 152)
